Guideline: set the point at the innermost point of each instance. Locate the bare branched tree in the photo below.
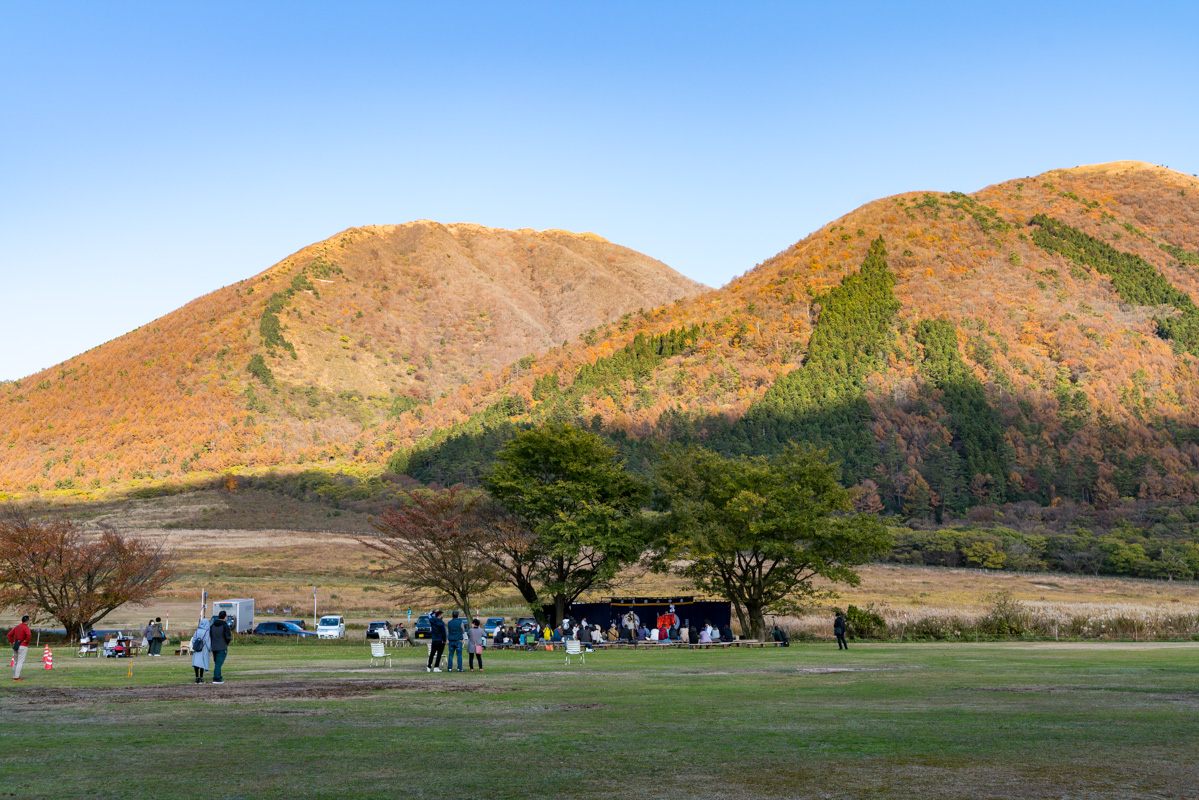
(52, 566)
(512, 547)
(429, 542)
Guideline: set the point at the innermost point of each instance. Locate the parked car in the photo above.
(299, 623)
(373, 629)
(331, 627)
(422, 629)
(282, 629)
(491, 624)
(527, 625)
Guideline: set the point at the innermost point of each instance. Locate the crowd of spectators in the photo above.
(593, 635)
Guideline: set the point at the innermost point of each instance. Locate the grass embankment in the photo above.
(312, 720)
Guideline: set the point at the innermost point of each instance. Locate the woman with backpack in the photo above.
(201, 648)
(474, 641)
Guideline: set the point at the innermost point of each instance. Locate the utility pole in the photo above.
(314, 608)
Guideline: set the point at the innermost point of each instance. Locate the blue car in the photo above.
(281, 629)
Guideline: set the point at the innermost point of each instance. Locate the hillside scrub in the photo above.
(1004, 618)
(1134, 279)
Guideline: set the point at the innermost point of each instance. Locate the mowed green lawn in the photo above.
(915, 720)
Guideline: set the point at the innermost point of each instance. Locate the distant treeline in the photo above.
(1128, 551)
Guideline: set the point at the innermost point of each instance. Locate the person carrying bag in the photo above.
(474, 641)
(201, 649)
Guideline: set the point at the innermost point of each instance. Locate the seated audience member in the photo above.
(497, 638)
(704, 636)
(726, 634)
(780, 636)
(712, 632)
(642, 634)
(653, 635)
(664, 634)
(612, 635)
(547, 634)
(401, 632)
(557, 635)
(596, 636)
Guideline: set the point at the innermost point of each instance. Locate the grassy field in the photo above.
(1026, 720)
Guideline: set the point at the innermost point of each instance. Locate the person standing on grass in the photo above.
(474, 640)
(437, 634)
(839, 626)
(201, 642)
(455, 633)
(220, 635)
(157, 637)
(19, 638)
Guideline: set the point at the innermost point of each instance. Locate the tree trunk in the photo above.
(529, 593)
(742, 617)
(757, 621)
(464, 599)
(559, 608)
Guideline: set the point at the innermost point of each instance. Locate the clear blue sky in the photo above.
(151, 153)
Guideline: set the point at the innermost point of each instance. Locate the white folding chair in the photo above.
(379, 651)
(573, 648)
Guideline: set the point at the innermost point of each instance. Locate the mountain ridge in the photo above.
(337, 336)
(1092, 402)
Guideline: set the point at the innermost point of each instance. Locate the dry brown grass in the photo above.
(279, 568)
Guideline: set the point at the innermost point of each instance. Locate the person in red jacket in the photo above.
(19, 638)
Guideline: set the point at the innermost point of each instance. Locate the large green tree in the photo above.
(579, 505)
(759, 530)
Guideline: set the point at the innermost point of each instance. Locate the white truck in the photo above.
(238, 613)
(331, 627)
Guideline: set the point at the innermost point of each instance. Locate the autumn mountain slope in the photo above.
(1031, 342)
(303, 362)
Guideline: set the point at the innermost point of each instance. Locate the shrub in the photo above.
(865, 623)
(1006, 616)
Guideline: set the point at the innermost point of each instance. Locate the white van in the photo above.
(331, 627)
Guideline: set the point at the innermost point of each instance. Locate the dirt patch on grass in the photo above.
(248, 691)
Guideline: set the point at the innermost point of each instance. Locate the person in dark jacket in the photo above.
(780, 636)
(221, 635)
(726, 634)
(455, 633)
(839, 626)
(436, 642)
(157, 637)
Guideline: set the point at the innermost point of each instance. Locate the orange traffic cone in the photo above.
(48, 658)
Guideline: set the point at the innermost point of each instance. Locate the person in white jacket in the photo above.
(201, 649)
